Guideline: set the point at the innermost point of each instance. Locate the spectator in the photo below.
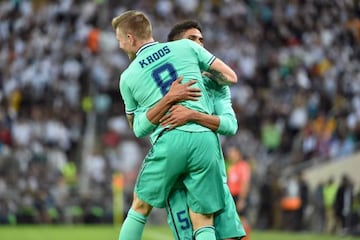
(343, 204)
(304, 196)
(239, 178)
(329, 195)
(319, 211)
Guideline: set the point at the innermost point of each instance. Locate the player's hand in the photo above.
(178, 115)
(240, 204)
(183, 91)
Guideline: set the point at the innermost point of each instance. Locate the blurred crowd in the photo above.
(289, 203)
(62, 127)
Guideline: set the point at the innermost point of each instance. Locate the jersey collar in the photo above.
(146, 45)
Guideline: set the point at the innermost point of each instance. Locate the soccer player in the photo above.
(227, 223)
(190, 151)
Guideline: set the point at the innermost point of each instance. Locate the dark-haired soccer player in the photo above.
(222, 121)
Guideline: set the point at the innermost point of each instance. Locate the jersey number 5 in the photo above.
(160, 73)
(182, 217)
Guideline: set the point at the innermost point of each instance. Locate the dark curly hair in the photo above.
(177, 31)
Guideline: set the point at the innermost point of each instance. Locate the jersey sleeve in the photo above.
(225, 112)
(129, 101)
(142, 126)
(205, 58)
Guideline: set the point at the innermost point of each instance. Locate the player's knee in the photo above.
(199, 220)
(141, 207)
(208, 217)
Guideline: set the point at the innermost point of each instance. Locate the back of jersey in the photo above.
(156, 66)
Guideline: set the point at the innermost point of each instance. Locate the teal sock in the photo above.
(133, 226)
(205, 233)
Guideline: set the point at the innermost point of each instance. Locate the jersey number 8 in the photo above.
(159, 73)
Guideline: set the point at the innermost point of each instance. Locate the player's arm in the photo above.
(245, 190)
(141, 125)
(178, 92)
(228, 124)
(245, 187)
(221, 73)
(179, 115)
(130, 119)
(145, 122)
(129, 101)
(224, 122)
(224, 119)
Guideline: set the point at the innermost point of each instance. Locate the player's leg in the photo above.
(242, 214)
(159, 172)
(178, 215)
(247, 227)
(226, 221)
(151, 189)
(135, 221)
(133, 226)
(203, 225)
(204, 184)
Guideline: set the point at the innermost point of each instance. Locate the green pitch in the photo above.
(99, 232)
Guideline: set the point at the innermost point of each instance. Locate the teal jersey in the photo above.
(149, 76)
(220, 105)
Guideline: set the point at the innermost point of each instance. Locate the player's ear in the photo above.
(131, 39)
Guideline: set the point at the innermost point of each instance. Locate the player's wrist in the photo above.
(169, 100)
(194, 116)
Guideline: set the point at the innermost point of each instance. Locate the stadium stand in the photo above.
(62, 127)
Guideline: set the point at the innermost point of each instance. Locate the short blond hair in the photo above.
(134, 22)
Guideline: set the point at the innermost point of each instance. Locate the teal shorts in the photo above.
(188, 157)
(226, 221)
